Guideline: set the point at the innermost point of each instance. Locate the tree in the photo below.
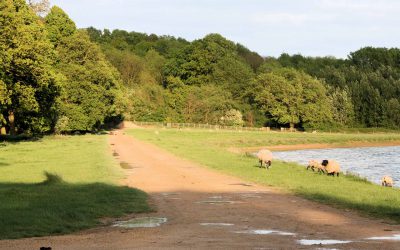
(154, 63)
(91, 89)
(292, 97)
(28, 82)
(393, 108)
(232, 117)
(342, 105)
(59, 25)
(92, 86)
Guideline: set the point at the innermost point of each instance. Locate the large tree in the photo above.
(91, 89)
(28, 81)
(59, 25)
(291, 97)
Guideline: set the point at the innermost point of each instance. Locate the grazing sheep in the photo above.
(315, 165)
(387, 181)
(331, 167)
(265, 156)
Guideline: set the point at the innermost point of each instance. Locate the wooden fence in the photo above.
(198, 126)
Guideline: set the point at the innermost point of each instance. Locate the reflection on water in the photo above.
(395, 237)
(322, 242)
(141, 222)
(372, 162)
(266, 231)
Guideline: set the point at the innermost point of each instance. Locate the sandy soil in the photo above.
(180, 191)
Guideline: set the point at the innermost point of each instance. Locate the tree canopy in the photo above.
(55, 77)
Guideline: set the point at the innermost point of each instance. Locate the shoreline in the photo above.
(355, 144)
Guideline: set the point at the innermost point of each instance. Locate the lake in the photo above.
(370, 162)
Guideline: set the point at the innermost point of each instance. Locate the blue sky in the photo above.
(269, 27)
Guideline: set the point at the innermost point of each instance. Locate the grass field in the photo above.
(80, 186)
(210, 148)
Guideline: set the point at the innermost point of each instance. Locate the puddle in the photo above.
(141, 222)
(322, 242)
(241, 184)
(264, 232)
(215, 197)
(168, 194)
(125, 165)
(250, 196)
(218, 202)
(217, 224)
(395, 237)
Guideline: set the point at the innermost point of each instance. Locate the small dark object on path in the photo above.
(45, 248)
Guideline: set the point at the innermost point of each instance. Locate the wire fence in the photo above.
(204, 126)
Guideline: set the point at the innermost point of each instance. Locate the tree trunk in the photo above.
(11, 119)
(291, 129)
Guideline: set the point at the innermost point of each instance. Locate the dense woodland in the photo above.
(57, 78)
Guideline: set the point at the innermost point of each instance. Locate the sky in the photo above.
(269, 27)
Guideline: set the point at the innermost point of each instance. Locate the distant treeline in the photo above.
(207, 80)
(54, 77)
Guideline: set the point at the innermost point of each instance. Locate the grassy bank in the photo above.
(210, 148)
(80, 189)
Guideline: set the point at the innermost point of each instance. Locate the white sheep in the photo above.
(265, 156)
(315, 165)
(331, 167)
(387, 181)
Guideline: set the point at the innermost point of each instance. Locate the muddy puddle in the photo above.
(216, 197)
(266, 232)
(141, 222)
(169, 194)
(395, 237)
(218, 202)
(217, 224)
(305, 242)
(172, 196)
(250, 196)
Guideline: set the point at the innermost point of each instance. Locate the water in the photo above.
(395, 237)
(141, 222)
(218, 202)
(371, 162)
(216, 224)
(265, 232)
(322, 242)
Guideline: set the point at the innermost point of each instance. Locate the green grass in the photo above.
(79, 188)
(255, 139)
(209, 148)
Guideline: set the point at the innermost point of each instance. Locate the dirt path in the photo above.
(189, 196)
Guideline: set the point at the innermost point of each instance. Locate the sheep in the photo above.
(315, 165)
(265, 156)
(387, 181)
(331, 167)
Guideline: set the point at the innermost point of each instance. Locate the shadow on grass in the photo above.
(19, 138)
(2, 164)
(57, 207)
(384, 210)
